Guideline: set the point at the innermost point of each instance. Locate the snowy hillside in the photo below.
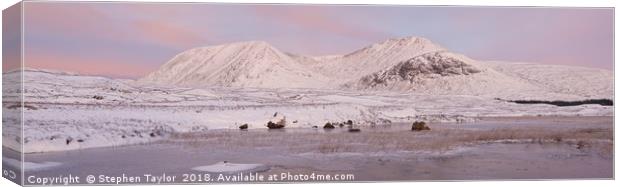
(374, 57)
(65, 111)
(243, 64)
(410, 64)
(581, 81)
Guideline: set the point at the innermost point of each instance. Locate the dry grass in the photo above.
(387, 140)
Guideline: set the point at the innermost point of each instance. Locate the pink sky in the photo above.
(132, 39)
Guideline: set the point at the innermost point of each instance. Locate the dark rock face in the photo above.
(244, 126)
(419, 126)
(418, 68)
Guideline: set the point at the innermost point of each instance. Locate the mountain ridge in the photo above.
(399, 64)
(236, 64)
(219, 65)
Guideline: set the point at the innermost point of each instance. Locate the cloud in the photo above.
(168, 34)
(95, 38)
(11, 41)
(318, 18)
(569, 36)
(75, 20)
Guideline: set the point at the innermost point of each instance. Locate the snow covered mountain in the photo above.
(410, 64)
(374, 57)
(242, 64)
(258, 64)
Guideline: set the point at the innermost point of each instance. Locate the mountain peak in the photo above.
(408, 47)
(250, 43)
(411, 41)
(254, 44)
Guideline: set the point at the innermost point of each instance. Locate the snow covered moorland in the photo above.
(225, 86)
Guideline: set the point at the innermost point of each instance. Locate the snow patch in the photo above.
(232, 168)
(30, 166)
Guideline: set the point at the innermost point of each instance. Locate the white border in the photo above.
(561, 3)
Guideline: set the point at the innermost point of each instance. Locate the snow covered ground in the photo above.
(65, 111)
(30, 166)
(231, 168)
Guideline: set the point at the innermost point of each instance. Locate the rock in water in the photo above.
(328, 125)
(272, 125)
(419, 126)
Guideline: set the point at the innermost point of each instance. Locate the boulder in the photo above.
(328, 125)
(272, 125)
(244, 126)
(419, 126)
(278, 121)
